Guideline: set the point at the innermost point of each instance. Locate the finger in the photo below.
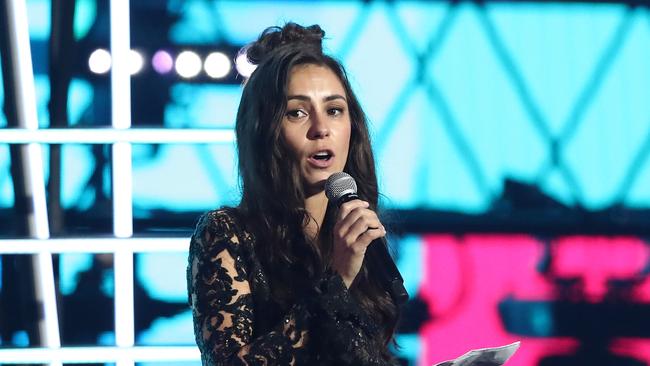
(358, 215)
(363, 224)
(366, 238)
(349, 206)
(347, 214)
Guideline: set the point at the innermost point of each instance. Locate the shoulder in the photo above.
(219, 226)
(223, 216)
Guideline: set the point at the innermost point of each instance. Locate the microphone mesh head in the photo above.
(338, 185)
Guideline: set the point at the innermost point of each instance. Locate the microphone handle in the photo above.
(377, 251)
(390, 277)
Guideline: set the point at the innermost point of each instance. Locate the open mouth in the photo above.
(322, 156)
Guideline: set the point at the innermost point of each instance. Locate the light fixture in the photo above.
(99, 61)
(244, 67)
(162, 62)
(136, 61)
(217, 65)
(188, 64)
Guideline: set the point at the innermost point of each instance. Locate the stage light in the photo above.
(162, 62)
(217, 65)
(32, 166)
(136, 61)
(244, 68)
(188, 64)
(99, 61)
(122, 179)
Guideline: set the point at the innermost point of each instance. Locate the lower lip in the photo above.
(321, 163)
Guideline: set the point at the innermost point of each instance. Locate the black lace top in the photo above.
(235, 323)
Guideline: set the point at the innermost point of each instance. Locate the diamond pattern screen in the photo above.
(460, 96)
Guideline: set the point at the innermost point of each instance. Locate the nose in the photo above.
(319, 127)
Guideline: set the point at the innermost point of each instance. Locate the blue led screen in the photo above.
(459, 98)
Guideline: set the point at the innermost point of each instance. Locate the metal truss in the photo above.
(123, 245)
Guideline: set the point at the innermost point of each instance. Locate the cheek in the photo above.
(347, 136)
(290, 140)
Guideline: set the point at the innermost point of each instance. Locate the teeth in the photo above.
(322, 155)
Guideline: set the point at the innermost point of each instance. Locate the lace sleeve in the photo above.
(222, 305)
(223, 312)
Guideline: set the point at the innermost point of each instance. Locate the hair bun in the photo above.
(291, 34)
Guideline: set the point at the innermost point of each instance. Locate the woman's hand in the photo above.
(356, 227)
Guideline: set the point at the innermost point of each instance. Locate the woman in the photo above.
(281, 279)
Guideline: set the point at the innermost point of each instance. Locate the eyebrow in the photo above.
(307, 99)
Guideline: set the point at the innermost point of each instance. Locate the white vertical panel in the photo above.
(122, 175)
(32, 164)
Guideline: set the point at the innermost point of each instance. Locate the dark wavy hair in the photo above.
(272, 194)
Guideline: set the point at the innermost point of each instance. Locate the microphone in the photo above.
(340, 188)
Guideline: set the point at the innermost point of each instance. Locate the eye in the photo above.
(296, 114)
(335, 111)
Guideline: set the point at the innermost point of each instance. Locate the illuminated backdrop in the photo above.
(462, 98)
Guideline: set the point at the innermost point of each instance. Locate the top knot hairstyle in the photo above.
(291, 34)
(273, 198)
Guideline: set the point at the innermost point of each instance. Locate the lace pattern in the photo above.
(226, 287)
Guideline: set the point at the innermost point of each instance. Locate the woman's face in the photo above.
(316, 126)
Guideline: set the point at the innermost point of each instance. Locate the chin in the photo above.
(316, 183)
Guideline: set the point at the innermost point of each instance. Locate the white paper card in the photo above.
(493, 356)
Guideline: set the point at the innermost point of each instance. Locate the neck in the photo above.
(316, 206)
